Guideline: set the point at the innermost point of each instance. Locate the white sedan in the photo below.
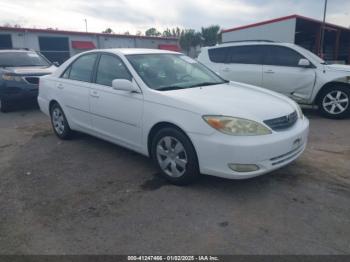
(173, 109)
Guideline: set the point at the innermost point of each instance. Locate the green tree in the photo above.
(107, 31)
(152, 32)
(167, 33)
(211, 35)
(174, 32)
(189, 38)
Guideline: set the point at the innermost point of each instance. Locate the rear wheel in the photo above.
(4, 105)
(175, 156)
(59, 122)
(334, 102)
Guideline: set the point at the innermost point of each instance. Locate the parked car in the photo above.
(285, 68)
(19, 76)
(168, 106)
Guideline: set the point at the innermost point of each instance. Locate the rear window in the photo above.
(251, 54)
(18, 59)
(82, 68)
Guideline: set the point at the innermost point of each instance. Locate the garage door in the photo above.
(56, 49)
(5, 42)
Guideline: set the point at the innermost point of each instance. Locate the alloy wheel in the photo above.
(58, 120)
(171, 156)
(335, 102)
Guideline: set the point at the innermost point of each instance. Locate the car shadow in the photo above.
(23, 105)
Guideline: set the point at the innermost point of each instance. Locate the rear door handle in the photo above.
(226, 69)
(269, 72)
(94, 93)
(60, 86)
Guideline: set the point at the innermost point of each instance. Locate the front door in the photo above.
(116, 114)
(282, 74)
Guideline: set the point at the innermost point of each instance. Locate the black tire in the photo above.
(325, 106)
(64, 132)
(4, 105)
(191, 170)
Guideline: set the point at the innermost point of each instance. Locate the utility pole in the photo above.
(323, 29)
(85, 25)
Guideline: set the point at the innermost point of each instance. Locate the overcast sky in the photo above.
(134, 15)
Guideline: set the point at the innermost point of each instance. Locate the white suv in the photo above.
(285, 68)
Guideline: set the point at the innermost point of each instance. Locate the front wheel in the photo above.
(59, 122)
(334, 102)
(175, 156)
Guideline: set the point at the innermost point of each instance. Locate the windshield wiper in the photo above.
(208, 84)
(167, 88)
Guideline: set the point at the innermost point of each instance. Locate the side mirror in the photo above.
(125, 85)
(304, 63)
(56, 63)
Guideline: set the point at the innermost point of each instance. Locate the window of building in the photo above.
(5, 42)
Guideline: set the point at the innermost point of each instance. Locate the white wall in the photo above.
(282, 31)
(31, 40)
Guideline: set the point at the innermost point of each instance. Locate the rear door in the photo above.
(116, 114)
(282, 74)
(239, 63)
(74, 89)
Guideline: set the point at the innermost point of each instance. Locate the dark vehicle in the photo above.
(20, 71)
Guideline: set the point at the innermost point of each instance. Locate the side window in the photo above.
(82, 68)
(237, 55)
(110, 68)
(251, 54)
(281, 56)
(218, 55)
(66, 73)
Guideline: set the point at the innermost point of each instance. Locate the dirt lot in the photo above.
(87, 196)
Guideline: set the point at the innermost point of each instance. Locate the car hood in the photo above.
(342, 68)
(231, 99)
(32, 70)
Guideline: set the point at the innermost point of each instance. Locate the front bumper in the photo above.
(269, 152)
(19, 93)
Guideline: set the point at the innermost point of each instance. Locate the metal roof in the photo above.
(65, 32)
(282, 19)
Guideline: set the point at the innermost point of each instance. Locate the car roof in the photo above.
(247, 43)
(136, 51)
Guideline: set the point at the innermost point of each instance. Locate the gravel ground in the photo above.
(87, 196)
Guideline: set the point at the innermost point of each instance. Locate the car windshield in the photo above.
(17, 59)
(172, 71)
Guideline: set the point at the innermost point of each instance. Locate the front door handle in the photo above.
(94, 93)
(60, 86)
(226, 69)
(269, 72)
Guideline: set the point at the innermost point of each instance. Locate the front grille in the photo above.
(282, 123)
(34, 80)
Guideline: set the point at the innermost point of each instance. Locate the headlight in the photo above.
(236, 126)
(8, 77)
